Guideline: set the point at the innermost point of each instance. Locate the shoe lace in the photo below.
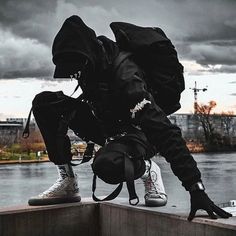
(150, 187)
(55, 187)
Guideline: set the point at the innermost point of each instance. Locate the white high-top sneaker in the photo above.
(155, 195)
(64, 190)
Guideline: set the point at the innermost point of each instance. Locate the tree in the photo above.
(204, 115)
(33, 143)
(227, 119)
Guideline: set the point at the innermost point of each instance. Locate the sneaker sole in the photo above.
(52, 201)
(155, 203)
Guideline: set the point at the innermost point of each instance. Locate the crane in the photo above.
(196, 90)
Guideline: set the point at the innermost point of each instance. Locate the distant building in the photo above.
(192, 129)
(11, 130)
(17, 120)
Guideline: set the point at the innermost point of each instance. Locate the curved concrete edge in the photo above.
(173, 213)
(62, 219)
(115, 218)
(27, 208)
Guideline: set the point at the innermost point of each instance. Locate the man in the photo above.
(115, 98)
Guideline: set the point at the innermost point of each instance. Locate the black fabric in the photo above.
(156, 55)
(49, 108)
(121, 160)
(108, 163)
(132, 37)
(200, 200)
(125, 88)
(160, 132)
(74, 42)
(69, 69)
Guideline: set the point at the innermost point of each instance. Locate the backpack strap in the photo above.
(26, 131)
(111, 196)
(120, 58)
(129, 177)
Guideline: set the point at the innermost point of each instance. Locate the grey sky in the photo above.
(203, 31)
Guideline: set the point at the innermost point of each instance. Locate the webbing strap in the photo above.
(111, 196)
(26, 131)
(129, 177)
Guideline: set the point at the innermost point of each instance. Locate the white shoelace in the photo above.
(57, 186)
(149, 186)
(151, 189)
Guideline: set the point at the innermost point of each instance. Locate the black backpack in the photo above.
(157, 57)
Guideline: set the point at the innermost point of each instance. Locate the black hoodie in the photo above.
(74, 43)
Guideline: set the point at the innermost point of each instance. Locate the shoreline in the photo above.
(11, 162)
(22, 162)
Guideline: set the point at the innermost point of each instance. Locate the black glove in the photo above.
(200, 200)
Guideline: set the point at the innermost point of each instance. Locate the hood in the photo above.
(74, 46)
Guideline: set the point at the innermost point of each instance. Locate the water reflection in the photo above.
(19, 182)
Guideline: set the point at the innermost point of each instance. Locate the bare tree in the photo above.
(33, 143)
(204, 115)
(227, 119)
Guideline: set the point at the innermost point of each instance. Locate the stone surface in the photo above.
(119, 218)
(115, 218)
(63, 220)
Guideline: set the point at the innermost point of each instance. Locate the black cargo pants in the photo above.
(54, 112)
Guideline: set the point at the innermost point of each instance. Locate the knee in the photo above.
(41, 98)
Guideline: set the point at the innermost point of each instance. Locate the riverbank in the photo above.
(41, 160)
(203, 148)
(6, 162)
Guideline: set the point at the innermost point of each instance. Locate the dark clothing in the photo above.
(119, 98)
(50, 117)
(128, 88)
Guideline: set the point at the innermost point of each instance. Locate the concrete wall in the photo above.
(108, 219)
(117, 220)
(61, 220)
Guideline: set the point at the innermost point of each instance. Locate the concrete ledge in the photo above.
(115, 218)
(62, 220)
(123, 219)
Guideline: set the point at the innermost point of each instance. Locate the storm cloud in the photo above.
(203, 31)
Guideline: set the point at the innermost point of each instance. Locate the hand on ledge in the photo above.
(200, 200)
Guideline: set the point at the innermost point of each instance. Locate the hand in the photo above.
(200, 200)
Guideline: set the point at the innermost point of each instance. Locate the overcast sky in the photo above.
(204, 33)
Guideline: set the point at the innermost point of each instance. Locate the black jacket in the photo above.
(113, 91)
(119, 89)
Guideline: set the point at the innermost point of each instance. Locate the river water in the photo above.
(18, 182)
